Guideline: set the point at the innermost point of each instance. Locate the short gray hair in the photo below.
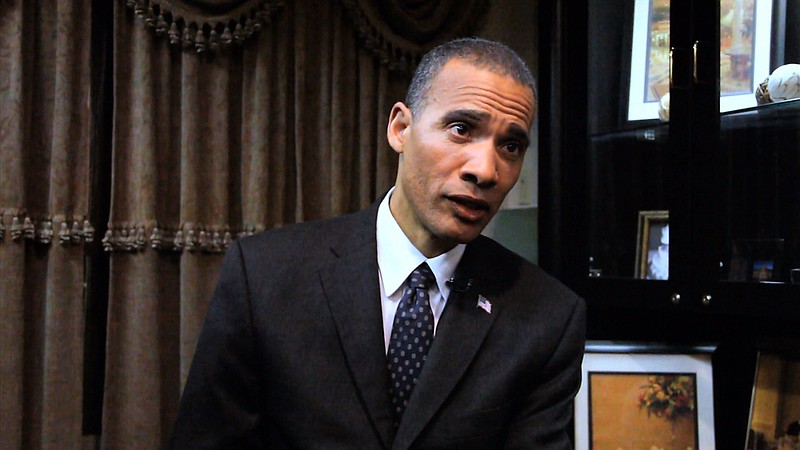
(481, 53)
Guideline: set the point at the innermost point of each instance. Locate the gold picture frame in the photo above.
(652, 245)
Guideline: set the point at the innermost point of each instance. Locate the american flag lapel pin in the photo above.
(484, 304)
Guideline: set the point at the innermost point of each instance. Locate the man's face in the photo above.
(460, 154)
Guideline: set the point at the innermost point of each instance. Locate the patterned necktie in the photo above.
(412, 334)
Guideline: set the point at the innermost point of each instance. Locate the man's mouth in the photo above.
(469, 209)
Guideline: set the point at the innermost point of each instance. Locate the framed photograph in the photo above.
(644, 397)
(745, 35)
(757, 260)
(652, 246)
(775, 407)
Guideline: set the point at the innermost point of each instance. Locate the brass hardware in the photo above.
(702, 68)
(671, 50)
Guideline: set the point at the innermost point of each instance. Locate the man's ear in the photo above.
(399, 122)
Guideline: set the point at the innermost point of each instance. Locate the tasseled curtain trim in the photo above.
(207, 32)
(135, 237)
(44, 229)
(17, 225)
(398, 42)
(395, 57)
(399, 39)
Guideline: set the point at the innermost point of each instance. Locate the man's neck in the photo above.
(426, 242)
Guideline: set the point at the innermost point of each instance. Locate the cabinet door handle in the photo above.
(705, 300)
(675, 298)
(702, 67)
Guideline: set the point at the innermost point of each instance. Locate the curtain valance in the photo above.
(205, 25)
(397, 32)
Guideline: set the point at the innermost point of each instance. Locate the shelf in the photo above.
(780, 115)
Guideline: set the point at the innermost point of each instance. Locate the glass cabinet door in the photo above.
(759, 142)
(689, 206)
(631, 188)
(693, 167)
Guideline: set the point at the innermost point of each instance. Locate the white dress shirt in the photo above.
(397, 258)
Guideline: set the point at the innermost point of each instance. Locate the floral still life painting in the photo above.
(668, 396)
(643, 411)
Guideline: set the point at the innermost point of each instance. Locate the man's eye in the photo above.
(513, 147)
(459, 128)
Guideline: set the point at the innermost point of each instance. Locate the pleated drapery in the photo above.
(44, 193)
(229, 117)
(207, 148)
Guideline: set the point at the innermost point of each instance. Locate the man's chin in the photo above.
(467, 234)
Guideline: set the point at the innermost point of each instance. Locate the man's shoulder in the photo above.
(521, 275)
(311, 236)
(502, 262)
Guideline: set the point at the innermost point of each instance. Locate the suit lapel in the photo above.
(459, 335)
(350, 284)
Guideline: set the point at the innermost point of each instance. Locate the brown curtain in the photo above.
(229, 117)
(44, 192)
(289, 126)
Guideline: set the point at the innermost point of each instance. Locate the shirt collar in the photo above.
(397, 256)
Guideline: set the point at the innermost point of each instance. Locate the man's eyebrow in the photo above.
(472, 116)
(517, 132)
(460, 115)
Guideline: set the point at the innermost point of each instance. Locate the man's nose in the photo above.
(480, 166)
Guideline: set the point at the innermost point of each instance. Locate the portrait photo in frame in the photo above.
(745, 46)
(643, 396)
(652, 245)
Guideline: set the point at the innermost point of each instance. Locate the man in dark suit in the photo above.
(399, 326)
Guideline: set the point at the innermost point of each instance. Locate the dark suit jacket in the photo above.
(292, 353)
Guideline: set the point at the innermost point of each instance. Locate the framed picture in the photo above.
(757, 260)
(645, 396)
(745, 29)
(649, 79)
(745, 39)
(775, 407)
(652, 246)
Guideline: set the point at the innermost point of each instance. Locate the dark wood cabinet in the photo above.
(730, 182)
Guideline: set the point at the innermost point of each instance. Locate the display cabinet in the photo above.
(669, 187)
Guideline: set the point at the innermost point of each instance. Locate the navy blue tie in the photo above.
(412, 335)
